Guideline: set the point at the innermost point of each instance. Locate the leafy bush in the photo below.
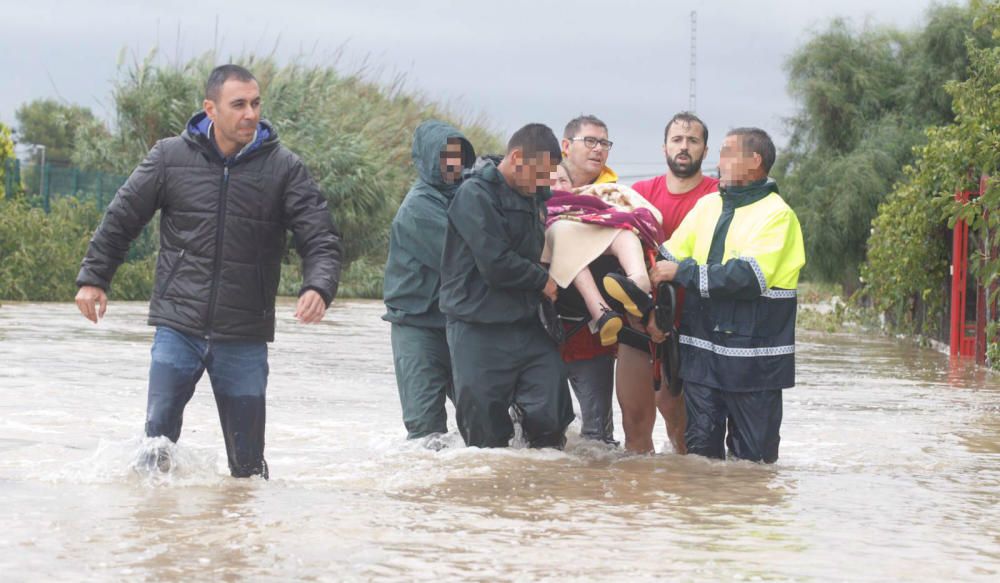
(6, 153)
(907, 266)
(866, 97)
(40, 253)
(353, 133)
(361, 279)
(908, 253)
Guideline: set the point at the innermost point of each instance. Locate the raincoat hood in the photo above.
(429, 140)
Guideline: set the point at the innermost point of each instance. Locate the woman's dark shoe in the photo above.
(634, 300)
(608, 326)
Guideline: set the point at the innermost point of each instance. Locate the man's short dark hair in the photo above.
(574, 125)
(686, 117)
(219, 75)
(757, 141)
(535, 139)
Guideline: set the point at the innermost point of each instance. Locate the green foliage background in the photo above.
(40, 253)
(52, 124)
(6, 153)
(866, 97)
(908, 252)
(353, 133)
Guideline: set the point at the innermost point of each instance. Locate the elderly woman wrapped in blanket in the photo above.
(595, 220)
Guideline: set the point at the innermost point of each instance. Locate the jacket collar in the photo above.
(737, 196)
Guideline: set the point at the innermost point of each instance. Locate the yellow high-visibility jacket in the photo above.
(740, 253)
(607, 175)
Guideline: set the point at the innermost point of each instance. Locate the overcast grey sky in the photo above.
(514, 61)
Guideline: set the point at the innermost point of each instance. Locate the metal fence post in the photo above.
(46, 177)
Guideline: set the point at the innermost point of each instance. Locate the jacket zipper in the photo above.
(217, 265)
(173, 272)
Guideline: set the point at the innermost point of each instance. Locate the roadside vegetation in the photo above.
(353, 132)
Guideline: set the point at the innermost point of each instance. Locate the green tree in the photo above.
(908, 256)
(354, 134)
(940, 54)
(6, 153)
(48, 123)
(866, 96)
(844, 80)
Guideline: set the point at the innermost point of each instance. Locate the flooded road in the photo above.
(889, 470)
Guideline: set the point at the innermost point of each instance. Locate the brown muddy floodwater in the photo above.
(889, 470)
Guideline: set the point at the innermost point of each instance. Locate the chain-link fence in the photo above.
(41, 185)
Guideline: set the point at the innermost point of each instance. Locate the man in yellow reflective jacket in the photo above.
(738, 253)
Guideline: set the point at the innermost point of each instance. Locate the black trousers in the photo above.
(593, 382)
(496, 366)
(753, 420)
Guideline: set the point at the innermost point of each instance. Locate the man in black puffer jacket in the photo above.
(227, 193)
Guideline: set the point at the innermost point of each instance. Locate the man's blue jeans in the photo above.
(238, 371)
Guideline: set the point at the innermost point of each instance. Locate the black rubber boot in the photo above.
(634, 300)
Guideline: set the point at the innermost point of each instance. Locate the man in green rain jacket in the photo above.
(738, 253)
(412, 278)
(492, 283)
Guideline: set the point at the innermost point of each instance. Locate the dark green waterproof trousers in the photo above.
(497, 366)
(423, 376)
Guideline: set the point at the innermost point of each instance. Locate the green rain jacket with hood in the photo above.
(416, 240)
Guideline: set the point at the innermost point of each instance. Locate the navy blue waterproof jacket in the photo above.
(223, 224)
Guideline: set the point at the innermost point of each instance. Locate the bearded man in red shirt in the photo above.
(673, 194)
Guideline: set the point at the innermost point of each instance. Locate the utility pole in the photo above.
(692, 99)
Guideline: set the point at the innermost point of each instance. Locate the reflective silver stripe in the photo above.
(779, 294)
(761, 280)
(667, 254)
(737, 352)
(703, 280)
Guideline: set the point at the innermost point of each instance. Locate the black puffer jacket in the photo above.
(223, 226)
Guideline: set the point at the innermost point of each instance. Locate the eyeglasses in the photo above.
(592, 142)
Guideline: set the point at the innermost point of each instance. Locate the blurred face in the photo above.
(685, 148)
(235, 113)
(588, 160)
(560, 179)
(737, 165)
(532, 173)
(451, 161)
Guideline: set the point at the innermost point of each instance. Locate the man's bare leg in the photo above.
(634, 383)
(674, 416)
